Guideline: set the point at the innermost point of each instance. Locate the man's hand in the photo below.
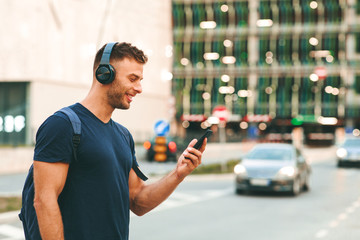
(190, 159)
(143, 197)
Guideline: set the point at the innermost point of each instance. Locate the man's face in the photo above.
(127, 83)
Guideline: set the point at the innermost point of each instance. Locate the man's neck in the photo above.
(100, 109)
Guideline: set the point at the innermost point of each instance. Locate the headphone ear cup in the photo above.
(105, 74)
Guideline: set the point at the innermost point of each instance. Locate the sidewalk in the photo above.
(11, 184)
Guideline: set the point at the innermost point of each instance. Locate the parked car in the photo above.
(161, 149)
(278, 167)
(348, 151)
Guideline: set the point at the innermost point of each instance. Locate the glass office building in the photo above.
(276, 65)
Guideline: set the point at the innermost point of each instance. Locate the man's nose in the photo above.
(138, 87)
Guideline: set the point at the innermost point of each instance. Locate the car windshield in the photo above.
(270, 154)
(352, 143)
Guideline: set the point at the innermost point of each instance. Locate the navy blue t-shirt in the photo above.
(95, 200)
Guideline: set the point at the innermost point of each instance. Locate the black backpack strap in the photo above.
(76, 124)
(135, 165)
(137, 170)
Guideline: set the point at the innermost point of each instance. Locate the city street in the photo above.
(206, 207)
(92, 84)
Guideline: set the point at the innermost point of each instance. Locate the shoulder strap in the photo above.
(76, 124)
(135, 165)
(138, 172)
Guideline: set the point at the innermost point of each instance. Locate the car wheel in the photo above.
(150, 158)
(239, 191)
(340, 163)
(296, 187)
(306, 186)
(173, 158)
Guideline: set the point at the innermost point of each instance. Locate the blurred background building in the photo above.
(47, 49)
(275, 69)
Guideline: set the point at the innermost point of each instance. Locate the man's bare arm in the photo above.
(144, 198)
(49, 180)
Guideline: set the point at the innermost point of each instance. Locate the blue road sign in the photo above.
(161, 128)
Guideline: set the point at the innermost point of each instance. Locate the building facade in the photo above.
(275, 66)
(47, 51)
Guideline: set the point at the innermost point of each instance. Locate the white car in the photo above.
(277, 167)
(348, 152)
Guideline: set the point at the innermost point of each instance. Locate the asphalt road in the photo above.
(206, 207)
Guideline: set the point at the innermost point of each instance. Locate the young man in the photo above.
(90, 198)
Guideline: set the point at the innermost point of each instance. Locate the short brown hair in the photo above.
(121, 51)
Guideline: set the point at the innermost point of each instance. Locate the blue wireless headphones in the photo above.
(105, 73)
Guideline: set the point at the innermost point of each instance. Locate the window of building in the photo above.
(217, 98)
(283, 97)
(265, 55)
(357, 44)
(196, 98)
(309, 13)
(284, 50)
(178, 14)
(286, 12)
(306, 97)
(178, 85)
(330, 42)
(357, 6)
(332, 11)
(13, 113)
(221, 14)
(265, 11)
(199, 14)
(330, 96)
(357, 84)
(262, 106)
(178, 54)
(241, 13)
(218, 47)
(242, 92)
(197, 53)
(241, 51)
(304, 50)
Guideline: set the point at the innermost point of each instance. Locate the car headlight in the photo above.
(240, 170)
(286, 172)
(341, 153)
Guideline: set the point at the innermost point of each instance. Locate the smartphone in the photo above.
(201, 140)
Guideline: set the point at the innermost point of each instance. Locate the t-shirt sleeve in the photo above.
(132, 146)
(54, 141)
(135, 164)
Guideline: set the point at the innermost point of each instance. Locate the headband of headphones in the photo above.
(105, 73)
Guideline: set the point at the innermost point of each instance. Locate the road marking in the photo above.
(356, 204)
(341, 217)
(179, 199)
(350, 209)
(186, 197)
(333, 224)
(322, 233)
(11, 232)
